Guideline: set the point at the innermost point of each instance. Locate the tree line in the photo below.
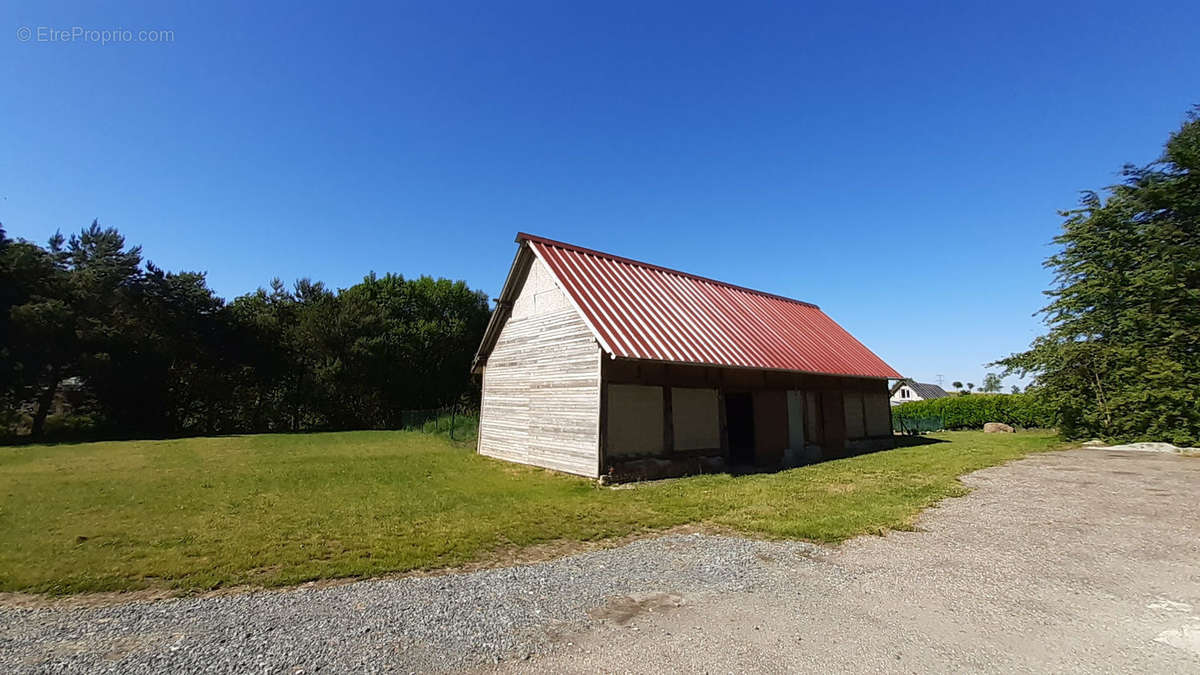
(992, 384)
(98, 342)
(121, 347)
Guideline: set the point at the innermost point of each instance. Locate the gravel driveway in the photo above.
(1081, 560)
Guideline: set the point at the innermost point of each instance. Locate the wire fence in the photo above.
(458, 422)
(916, 424)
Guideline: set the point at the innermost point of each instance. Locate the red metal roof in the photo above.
(642, 311)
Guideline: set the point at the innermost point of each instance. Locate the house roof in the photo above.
(922, 389)
(642, 311)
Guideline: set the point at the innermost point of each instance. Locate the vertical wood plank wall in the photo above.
(541, 384)
(770, 426)
(833, 422)
(826, 406)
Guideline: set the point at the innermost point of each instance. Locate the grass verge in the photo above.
(270, 510)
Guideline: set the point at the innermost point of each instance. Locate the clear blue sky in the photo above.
(898, 163)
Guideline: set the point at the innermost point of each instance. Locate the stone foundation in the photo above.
(653, 468)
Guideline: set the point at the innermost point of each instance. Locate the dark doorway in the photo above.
(739, 420)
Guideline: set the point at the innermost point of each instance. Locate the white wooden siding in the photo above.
(541, 384)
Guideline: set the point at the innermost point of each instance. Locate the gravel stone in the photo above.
(416, 624)
(1148, 447)
(1086, 561)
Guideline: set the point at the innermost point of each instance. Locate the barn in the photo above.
(598, 365)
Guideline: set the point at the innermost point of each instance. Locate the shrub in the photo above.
(972, 412)
(67, 426)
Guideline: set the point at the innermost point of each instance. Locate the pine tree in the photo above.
(1121, 358)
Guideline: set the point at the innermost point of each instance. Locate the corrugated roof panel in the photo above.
(642, 311)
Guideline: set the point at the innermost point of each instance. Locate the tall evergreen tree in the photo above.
(41, 346)
(1121, 358)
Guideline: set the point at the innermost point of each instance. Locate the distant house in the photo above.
(595, 364)
(905, 391)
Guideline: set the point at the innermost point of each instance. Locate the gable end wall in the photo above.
(541, 383)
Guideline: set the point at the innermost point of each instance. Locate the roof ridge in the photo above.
(523, 236)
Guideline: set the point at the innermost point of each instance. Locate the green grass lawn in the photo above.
(201, 513)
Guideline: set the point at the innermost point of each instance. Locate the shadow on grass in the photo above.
(463, 436)
(911, 441)
(901, 442)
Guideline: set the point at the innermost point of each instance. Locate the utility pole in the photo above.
(940, 378)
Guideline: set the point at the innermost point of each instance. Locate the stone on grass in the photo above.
(997, 428)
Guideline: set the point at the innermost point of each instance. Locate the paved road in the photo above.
(1085, 560)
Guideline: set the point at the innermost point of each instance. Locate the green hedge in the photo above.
(973, 411)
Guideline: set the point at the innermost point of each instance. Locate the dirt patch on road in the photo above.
(622, 609)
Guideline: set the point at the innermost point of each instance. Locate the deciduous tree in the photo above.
(157, 353)
(991, 383)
